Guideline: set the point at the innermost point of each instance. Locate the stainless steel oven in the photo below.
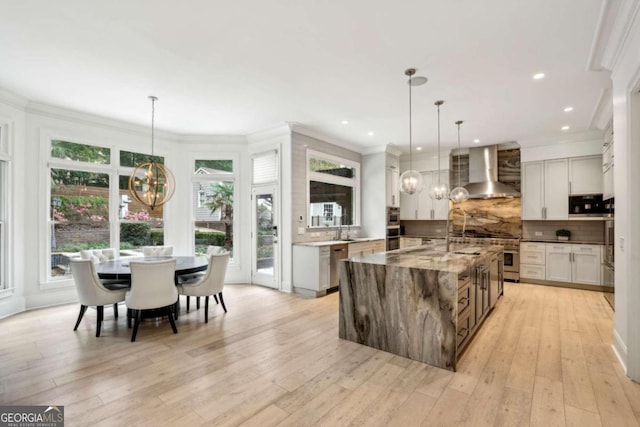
(393, 217)
(393, 237)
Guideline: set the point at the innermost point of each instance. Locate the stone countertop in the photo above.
(573, 242)
(432, 257)
(339, 242)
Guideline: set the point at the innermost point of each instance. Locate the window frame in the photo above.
(333, 179)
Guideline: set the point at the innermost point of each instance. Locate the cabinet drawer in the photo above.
(464, 328)
(464, 299)
(531, 271)
(528, 257)
(585, 249)
(558, 248)
(532, 247)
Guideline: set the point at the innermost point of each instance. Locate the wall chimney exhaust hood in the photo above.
(483, 175)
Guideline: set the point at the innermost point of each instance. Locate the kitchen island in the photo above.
(421, 303)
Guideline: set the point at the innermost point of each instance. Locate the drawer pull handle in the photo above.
(462, 332)
(463, 300)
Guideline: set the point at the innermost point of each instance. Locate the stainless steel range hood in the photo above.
(483, 175)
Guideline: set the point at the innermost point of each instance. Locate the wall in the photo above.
(299, 145)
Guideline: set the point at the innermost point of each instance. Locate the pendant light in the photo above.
(440, 190)
(411, 180)
(152, 183)
(459, 194)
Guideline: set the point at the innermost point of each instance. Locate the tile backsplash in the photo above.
(582, 231)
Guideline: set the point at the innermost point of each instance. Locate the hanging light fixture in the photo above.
(152, 183)
(411, 180)
(459, 194)
(440, 190)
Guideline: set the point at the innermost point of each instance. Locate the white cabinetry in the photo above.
(532, 260)
(421, 205)
(392, 184)
(573, 263)
(312, 267)
(607, 164)
(585, 176)
(545, 189)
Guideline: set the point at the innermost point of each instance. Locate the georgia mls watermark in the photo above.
(32, 416)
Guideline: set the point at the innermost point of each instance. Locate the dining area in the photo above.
(149, 286)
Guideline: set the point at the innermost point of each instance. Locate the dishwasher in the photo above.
(338, 252)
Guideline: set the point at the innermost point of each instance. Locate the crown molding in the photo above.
(277, 131)
(208, 139)
(603, 110)
(612, 31)
(13, 99)
(299, 129)
(585, 136)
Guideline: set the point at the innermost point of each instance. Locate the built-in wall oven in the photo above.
(393, 237)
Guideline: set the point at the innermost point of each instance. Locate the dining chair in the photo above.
(210, 284)
(102, 255)
(195, 277)
(157, 251)
(91, 292)
(152, 288)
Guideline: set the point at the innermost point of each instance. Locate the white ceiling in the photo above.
(237, 67)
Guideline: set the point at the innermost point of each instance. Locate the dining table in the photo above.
(120, 270)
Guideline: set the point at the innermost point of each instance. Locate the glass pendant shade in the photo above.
(411, 182)
(439, 191)
(459, 195)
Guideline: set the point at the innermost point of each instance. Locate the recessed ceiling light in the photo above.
(345, 122)
(568, 109)
(565, 128)
(370, 133)
(538, 76)
(476, 140)
(419, 148)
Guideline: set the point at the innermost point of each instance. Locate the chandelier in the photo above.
(459, 194)
(152, 183)
(440, 190)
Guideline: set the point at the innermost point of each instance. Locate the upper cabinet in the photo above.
(420, 205)
(545, 189)
(585, 175)
(393, 189)
(607, 163)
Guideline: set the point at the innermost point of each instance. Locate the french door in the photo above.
(264, 237)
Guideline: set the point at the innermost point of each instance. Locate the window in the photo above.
(3, 224)
(80, 152)
(213, 194)
(139, 226)
(79, 215)
(333, 188)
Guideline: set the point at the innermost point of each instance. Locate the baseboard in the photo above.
(596, 288)
(620, 350)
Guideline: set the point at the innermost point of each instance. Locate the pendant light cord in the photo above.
(410, 135)
(459, 123)
(438, 145)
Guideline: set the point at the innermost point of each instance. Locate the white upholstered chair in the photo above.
(210, 284)
(99, 255)
(157, 250)
(152, 287)
(92, 292)
(215, 250)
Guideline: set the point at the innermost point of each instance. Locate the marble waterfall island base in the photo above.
(406, 302)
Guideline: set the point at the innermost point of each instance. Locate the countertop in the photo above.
(339, 242)
(431, 257)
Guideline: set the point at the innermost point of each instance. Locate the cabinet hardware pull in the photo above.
(462, 332)
(463, 300)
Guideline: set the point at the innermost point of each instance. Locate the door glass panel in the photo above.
(265, 233)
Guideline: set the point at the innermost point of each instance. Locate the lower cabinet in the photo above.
(366, 248)
(312, 267)
(561, 262)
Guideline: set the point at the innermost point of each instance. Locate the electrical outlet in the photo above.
(622, 243)
(538, 233)
(300, 230)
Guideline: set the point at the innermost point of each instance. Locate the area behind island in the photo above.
(421, 303)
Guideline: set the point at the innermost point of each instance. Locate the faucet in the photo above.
(338, 235)
(464, 225)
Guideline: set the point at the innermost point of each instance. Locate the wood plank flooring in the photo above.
(542, 358)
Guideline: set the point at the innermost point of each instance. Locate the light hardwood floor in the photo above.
(542, 358)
